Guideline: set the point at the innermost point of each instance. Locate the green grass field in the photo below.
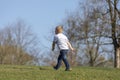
(12, 72)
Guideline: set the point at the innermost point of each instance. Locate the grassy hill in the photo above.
(8, 72)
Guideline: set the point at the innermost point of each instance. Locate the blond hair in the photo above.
(59, 29)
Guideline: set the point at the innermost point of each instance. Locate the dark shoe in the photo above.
(68, 69)
(54, 68)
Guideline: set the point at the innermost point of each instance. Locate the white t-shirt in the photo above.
(61, 41)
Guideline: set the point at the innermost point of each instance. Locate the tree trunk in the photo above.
(113, 17)
(118, 58)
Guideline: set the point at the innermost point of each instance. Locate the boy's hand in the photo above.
(53, 46)
(73, 49)
(52, 49)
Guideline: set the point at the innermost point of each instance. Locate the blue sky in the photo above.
(41, 15)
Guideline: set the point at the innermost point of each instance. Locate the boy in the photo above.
(63, 44)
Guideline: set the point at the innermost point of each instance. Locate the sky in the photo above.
(41, 15)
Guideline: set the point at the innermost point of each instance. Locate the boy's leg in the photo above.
(58, 62)
(64, 57)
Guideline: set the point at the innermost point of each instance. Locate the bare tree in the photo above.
(18, 44)
(87, 32)
(112, 16)
(114, 13)
(93, 30)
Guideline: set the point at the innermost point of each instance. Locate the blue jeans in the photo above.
(62, 57)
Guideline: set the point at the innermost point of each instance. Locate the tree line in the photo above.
(18, 44)
(93, 29)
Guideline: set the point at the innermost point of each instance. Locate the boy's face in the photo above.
(58, 30)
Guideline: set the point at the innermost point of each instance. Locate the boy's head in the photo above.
(58, 29)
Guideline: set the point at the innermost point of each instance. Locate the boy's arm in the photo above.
(53, 46)
(70, 46)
